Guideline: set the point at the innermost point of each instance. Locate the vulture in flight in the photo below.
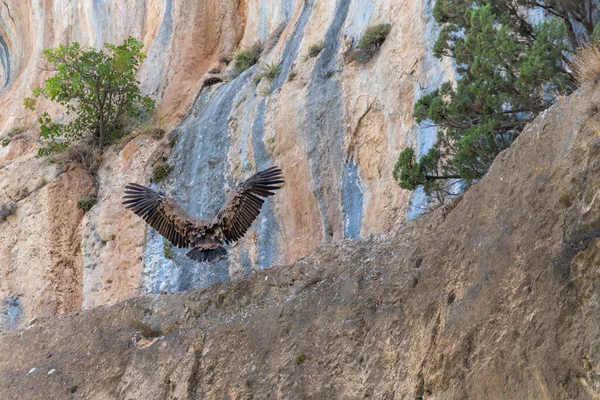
(205, 237)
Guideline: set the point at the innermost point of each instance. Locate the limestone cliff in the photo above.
(493, 298)
(335, 129)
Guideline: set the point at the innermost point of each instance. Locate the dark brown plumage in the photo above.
(205, 237)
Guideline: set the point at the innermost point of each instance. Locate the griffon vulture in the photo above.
(205, 237)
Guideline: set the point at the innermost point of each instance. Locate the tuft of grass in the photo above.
(292, 75)
(89, 158)
(586, 64)
(316, 49)
(269, 72)
(247, 58)
(272, 70)
(160, 172)
(300, 358)
(6, 210)
(87, 204)
(370, 43)
(168, 249)
(73, 389)
(374, 37)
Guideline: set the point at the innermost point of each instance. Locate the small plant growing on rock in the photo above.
(370, 43)
(168, 250)
(292, 75)
(316, 49)
(247, 58)
(6, 210)
(73, 389)
(300, 358)
(374, 37)
(160, 172)
(84, 155)
(87, 203)
(269, 72)
(15, 133)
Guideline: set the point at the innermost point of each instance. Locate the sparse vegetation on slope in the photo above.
(87, 203)
(315, 49)
(160, 172)
(247, 58)
(369, 43)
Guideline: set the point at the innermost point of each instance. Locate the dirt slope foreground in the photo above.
(495, 299)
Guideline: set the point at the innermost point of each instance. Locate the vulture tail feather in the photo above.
(206, 255)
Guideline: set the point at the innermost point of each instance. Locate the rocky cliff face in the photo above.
(493, 298)
(335, 130)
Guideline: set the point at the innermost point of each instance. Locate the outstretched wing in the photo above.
(244, 203)
(161, 213)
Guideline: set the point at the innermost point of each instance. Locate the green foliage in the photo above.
(53, 148)
(407, 171)
(269, 72)
(247, 58)
(160, 172)
(374, 37)
(300, 358)
(73, 389)
(510, 71)
(97, 86)
(292, 75)
(369, 43)
(316, 49)
(87, 204)
(14, 133)
(168, 250)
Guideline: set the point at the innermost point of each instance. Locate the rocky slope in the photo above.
(335, 130)
(494, 298)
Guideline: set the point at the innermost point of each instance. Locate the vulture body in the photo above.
(205, 237)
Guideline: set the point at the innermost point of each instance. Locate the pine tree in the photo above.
(509, 71)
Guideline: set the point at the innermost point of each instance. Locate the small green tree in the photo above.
(98, 86)
(509, 71)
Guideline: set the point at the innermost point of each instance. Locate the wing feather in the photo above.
(161, 213)
(244, 203)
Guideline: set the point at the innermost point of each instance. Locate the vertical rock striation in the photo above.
(335, 128)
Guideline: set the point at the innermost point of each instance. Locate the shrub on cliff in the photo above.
(509, 71)
(98, 86)
(247, 58)
(370, 42)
